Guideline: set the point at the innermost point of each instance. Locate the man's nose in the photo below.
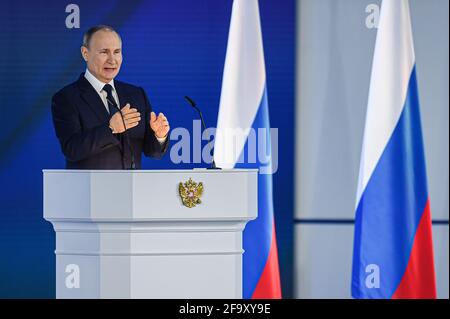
(110, 58)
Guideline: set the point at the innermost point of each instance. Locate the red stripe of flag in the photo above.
(419, 282)
(269, 286)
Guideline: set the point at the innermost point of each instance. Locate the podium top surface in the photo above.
(150, 195)
(195, 170)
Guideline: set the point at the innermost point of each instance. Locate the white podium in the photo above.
(127, 234)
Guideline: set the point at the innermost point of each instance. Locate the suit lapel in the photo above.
(91, 97)
(122, 94)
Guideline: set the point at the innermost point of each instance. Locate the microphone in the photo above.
(194, 105)
(133, 165)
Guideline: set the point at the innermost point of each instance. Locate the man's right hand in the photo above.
(130, 116)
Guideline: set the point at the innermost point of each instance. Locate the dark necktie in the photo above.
(113, 109)
(112, 105)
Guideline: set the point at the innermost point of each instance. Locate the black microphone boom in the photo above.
(192, 103)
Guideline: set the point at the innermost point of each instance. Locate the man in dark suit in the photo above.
(91, 130)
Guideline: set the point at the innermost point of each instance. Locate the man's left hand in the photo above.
(159, 125)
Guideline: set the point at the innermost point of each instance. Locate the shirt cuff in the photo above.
(161, 140)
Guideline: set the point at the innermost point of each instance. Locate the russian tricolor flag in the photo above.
(393, 249)
(243, 107)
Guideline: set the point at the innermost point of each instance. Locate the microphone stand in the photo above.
(192, 103)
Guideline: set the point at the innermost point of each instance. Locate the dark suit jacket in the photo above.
(82, 126)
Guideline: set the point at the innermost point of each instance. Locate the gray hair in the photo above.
(101, 27)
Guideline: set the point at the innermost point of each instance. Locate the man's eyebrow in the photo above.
(105, 49)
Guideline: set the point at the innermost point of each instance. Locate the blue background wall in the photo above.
(171, 48)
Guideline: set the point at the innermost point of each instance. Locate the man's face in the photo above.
(104, 55)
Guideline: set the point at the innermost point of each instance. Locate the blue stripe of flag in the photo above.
(258, 233)
(392, 204)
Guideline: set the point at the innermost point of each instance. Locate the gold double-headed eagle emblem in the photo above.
(190, 193)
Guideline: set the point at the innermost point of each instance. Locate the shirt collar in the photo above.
(96, 83)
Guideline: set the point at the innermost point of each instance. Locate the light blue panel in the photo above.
(441, 249)
(323, 260)
(334, 60)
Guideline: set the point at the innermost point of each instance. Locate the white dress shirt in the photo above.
(98, 86)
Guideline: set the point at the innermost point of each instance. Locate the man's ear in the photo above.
(84, 53)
